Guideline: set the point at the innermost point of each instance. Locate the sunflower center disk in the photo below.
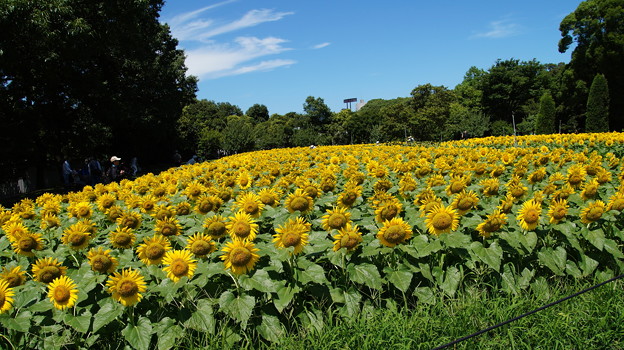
(251, 208)
(559, 213)
(101, 263)
(389, 212)
(299, 203)
(349, 198)
(201, 247)
(61, 294)
(179, 267)
(531, 216)
(27, 243)
(77, 239)
(240, 256)
(464, 204)
(154, 251)
(442, 221)
(349, 241)
(242, 229)
(127, 288)
(49, 273)
(337, 221)
(169, 230)
(291, 239)
(83, 212)
(216, 229)
(394, 234)
(594, 214)
(122, 239)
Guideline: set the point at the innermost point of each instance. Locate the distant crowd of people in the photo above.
(92, 171)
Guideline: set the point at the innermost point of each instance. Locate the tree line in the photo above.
(106, 77)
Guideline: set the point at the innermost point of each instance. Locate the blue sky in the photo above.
(278, 52)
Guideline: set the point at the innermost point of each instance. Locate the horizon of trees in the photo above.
(81, 79)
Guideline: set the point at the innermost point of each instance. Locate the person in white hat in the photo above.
(115, 173)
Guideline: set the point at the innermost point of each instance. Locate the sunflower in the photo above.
(14, 229)
(179, 263)
(13, 277)
(616, 202)
(310, 188)
(249, 203)
(590, 189)
(269, 196)
(407, 184)
(51, 207)
(441, 220)
(49, 221)
(240, 256)
(576, 175)
(126, 286)
(348, 237)
(81, 210)
(349, 195)
(27, 243)
(200, 245)
(130, 219)
(47, 269)
(215, 226)
(557, 210)
(592, 212)
(506, 204)
(113, 213)
(168, 227)
(242, 226)
(388, 210)
(194, 190)
(207, 203)
(465, 201)
(84, 225)
(244, 179)
(6, 296)
(435, 180)
(63, 292)
(162, 211)
(183, 208)
(457, 184)
(101, 261)
(299, 201)
(75, 238)
(529, 215)
(517, 190)
(537, 175)
(148, 203)
(122, 238)
(293, 233)
(153, 249)
(490, 187)
(428, 203)
(394, 231)
(336, 218)
(492, 223)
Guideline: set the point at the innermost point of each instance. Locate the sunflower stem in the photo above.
(235, 283)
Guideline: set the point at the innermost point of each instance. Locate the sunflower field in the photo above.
(259, 242)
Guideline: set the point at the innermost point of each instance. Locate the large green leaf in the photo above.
(260, 281)
(400, 278)
(555, 260)
(271, 329)
(595, 237)
(508, 280)
(611, 246)
(139, 335)
(425, 295)
(239, 308)
(167, 333)
(79, 323)
(491, 255)
(450, 282)
(312, 273)
(424, 247)
(203, 318)
(20, 323)
(352, 303)
(366, 274)
(456, 240)
(109, 310)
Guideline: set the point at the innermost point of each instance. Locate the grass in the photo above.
(594, 320)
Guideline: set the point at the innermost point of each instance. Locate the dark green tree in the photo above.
(431, 110)
(545, 123)
(596, 31)
(597, 118)
(238, 134)
(85, 77)
(316, 109)
(258, 112)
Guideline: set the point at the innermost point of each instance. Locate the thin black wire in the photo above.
(527, 314)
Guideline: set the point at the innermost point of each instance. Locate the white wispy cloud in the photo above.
(321, 45)
(211, 58)
(499, 29)
(219, 60)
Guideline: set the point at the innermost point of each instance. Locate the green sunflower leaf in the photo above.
(109, 310)
(239, 308)
(271, 329)
(202, 320)
(366, 274)
(139, 335)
